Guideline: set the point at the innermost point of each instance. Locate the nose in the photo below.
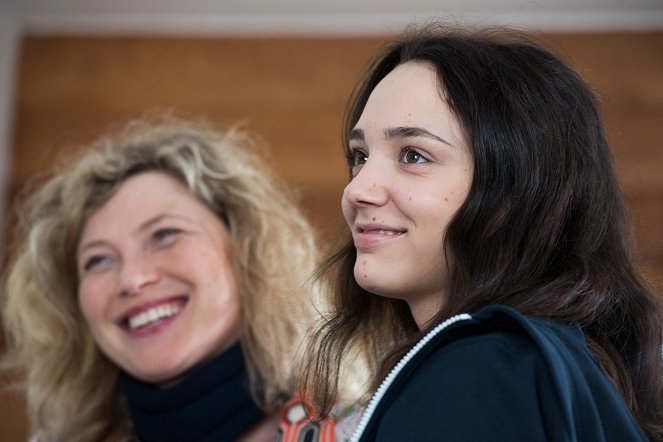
(370, 186)
(137, 274)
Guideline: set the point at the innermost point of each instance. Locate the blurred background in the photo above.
(71, 70)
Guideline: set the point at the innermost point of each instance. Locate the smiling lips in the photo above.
(149, 315)
(370, 235)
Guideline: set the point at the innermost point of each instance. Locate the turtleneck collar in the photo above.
(211, 403)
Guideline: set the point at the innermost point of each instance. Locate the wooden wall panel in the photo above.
(291, 92)
(627, 71)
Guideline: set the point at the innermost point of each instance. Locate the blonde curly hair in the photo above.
(71, 387)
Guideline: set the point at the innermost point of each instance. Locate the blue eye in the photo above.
(356, 158)
(96, 262)
(164, 235)
(412, 156)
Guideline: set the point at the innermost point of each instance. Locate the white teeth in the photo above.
(155, 314)
(383, 232)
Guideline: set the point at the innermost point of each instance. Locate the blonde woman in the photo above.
(159, 291)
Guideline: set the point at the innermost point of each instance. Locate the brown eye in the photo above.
(411, 156)
(357, 158)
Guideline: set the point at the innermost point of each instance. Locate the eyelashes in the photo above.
(95, 262)
(410, 155)
(407, 155)
(161, 238)
(356, 157)
(165, 235)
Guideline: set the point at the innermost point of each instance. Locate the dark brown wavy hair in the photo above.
(544, 229)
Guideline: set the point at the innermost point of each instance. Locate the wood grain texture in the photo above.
(291, 92)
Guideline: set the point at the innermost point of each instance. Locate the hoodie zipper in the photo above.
(386, 383)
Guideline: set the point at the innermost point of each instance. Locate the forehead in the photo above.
(411, 89)
(415, 77)
(148, 188)
(138, 199)
(410, 95)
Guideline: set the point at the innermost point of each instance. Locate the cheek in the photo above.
(91, 306)
(215, 274)
(205, 262)
(348, 210)
(223, 289)
(229, 306)
(453, 195)
(95, 295)
(221, 316)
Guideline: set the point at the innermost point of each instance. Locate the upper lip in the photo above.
(363, 227)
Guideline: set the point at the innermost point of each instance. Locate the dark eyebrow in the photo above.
(399, 132)
(408, 132)
(357, 134)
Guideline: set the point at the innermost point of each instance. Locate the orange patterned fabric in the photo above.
(296, 424)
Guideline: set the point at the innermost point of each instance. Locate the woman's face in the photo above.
(156, 282)
(411, 170)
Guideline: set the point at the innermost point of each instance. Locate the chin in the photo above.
(376, 289)
(159, 375)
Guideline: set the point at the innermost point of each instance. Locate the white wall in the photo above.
(328, 17)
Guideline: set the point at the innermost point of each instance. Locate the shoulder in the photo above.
(498, 333)
(499, 344)
(475, 377)
(503, 376)
(463, 387)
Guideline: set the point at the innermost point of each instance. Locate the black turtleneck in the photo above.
(211, 404)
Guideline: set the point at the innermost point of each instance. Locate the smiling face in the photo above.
(156, 285)
(411, 172)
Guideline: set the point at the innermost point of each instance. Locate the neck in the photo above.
(424, 309)
(212, 403)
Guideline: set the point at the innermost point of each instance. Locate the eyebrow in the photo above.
(154, 220)
(399, 132)
(90, 245)
(144, 226)
(357, 134)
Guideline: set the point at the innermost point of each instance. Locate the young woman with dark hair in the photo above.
(486, 214)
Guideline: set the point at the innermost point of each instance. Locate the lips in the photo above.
(368, 235)
(150, 314)
(380, 231)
